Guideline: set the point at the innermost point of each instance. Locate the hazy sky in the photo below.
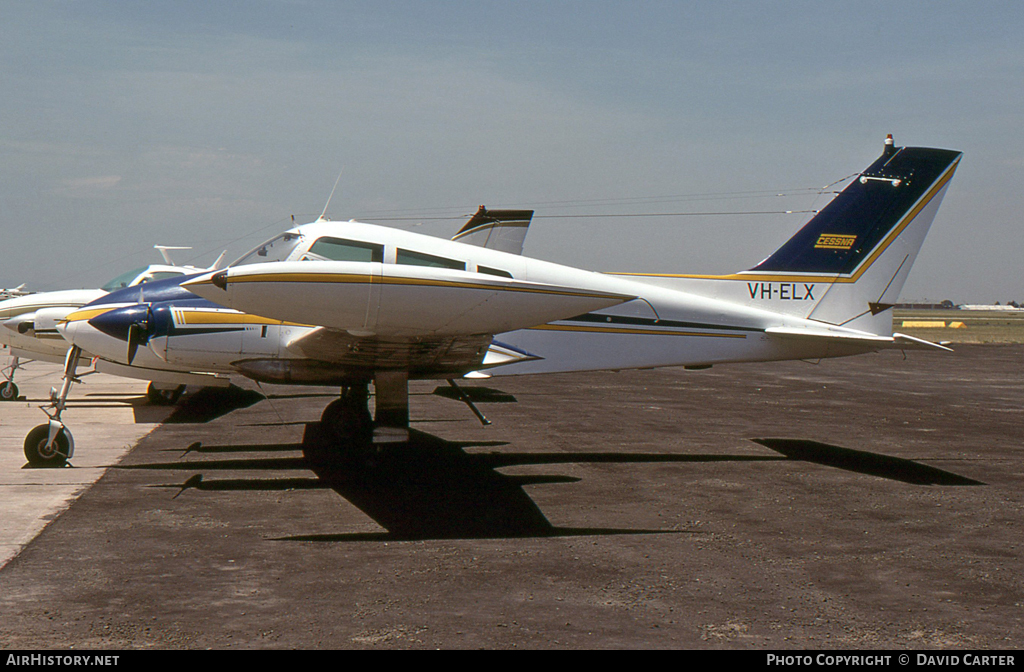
(209, 124)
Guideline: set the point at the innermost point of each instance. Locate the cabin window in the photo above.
(410, 258)
(493, 271)
(336, 249)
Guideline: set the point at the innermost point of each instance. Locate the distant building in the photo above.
(982, 306)
(945, 305)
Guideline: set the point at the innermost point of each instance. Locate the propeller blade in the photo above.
(139, 334)
(133, 342)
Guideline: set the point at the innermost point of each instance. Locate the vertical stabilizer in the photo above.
(502, 230)
(859, 249)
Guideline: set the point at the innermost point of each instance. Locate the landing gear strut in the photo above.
(52, 444)
(8, 390)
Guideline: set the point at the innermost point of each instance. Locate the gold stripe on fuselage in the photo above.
(200, 317)
(349, 278)
(89, 313)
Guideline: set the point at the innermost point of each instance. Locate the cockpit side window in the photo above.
(411, 258)
(275, 249)
(336, 249)
(493, 271)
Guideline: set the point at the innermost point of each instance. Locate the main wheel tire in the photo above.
(347, 421)
(8, 391)
(164, 396)
(37, 453)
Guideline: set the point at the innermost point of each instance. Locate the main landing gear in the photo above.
(346, 422)
(347, 419)
(51, 444)
(8, 390)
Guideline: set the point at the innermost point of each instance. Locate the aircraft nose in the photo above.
(79, 332)
(118, 322)
(20, 324)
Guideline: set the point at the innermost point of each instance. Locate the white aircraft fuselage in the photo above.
(337, 301)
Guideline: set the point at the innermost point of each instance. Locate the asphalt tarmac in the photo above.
(871, 502)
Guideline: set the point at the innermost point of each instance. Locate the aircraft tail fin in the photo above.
(216, 264)
(502, 230)
(857, 252)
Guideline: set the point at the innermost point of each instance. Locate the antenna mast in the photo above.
(331, 196)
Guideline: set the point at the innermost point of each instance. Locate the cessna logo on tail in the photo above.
(832, 241)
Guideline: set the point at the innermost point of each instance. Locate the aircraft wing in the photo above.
(502, 230)
(426, 356)
(416, 355)
(391, 301)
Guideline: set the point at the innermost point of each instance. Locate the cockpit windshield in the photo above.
(275, 249)
(123, 280)
(133, 278)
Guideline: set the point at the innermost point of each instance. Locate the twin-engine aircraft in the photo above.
(28, 321)
(350, 303)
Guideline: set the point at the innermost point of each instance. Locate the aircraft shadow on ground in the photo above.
(862, 462)
(210, 403)
(475, 394)
(430, 488)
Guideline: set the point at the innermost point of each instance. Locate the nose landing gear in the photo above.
(8, 390)
(51, 444)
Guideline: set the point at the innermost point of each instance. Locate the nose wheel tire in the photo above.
(39, 454)
(8, 391)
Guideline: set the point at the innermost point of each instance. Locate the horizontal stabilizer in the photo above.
(823, 334)
(855, 338)
(909, 341)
